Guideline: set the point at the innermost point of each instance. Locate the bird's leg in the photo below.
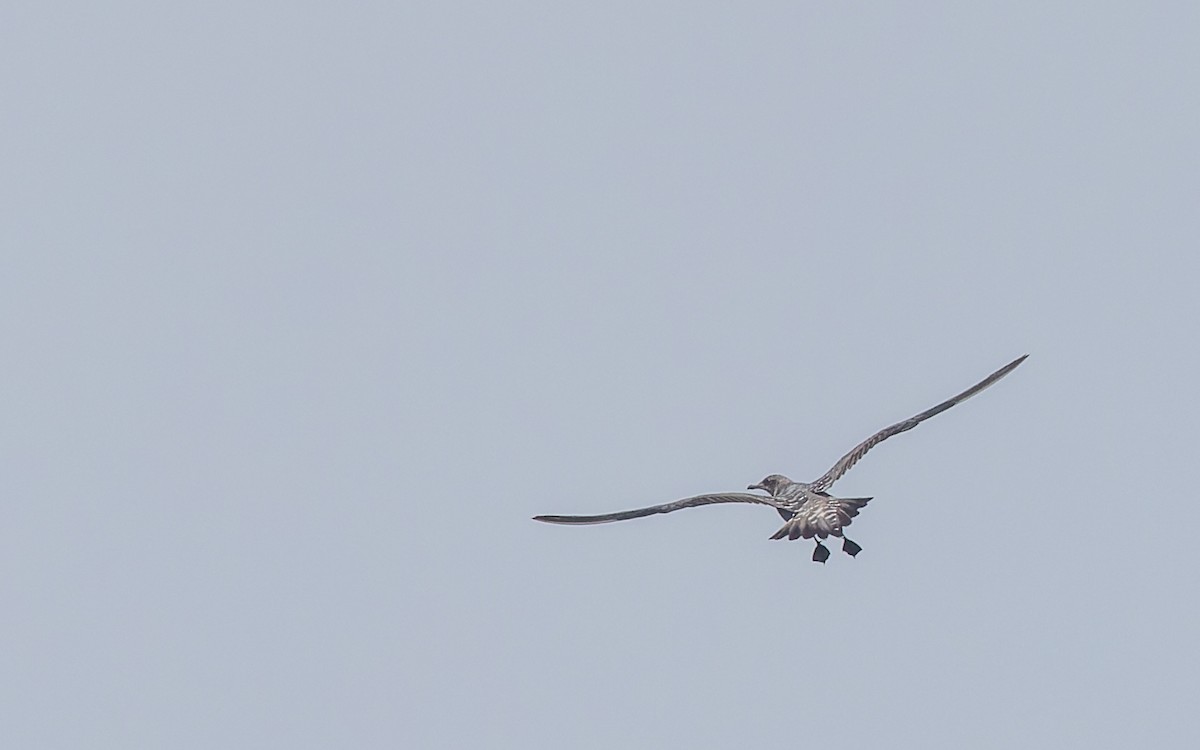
(821, 553)
(849, 547)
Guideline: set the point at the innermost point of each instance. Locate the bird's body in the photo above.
(807, 509)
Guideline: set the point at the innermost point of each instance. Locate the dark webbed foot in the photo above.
(821, 553)
(850, 548)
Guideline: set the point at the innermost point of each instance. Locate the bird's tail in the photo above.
(822, 517)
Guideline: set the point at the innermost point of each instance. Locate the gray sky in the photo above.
(306, 309)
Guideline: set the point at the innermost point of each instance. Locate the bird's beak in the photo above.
(756, 487)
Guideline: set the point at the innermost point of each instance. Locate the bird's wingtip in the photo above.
(1015, 363)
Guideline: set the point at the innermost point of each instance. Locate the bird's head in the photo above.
(771, 484)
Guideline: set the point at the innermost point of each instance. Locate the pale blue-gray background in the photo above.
(306, 308)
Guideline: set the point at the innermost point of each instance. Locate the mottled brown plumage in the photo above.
(807, 509)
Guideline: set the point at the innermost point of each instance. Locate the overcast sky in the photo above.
(306, 308)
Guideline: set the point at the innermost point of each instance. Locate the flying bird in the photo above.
(807, 509)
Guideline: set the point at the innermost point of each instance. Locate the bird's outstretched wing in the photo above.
(689, 502)
(843, 465)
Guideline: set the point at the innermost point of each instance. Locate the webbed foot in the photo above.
(850, 548)
(821, 553)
